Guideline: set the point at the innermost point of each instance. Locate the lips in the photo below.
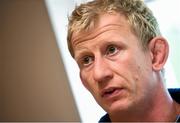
(111, 92)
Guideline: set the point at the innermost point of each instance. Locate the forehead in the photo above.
(105, 21)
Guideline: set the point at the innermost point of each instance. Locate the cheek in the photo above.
(86, 80)
(141, 75)
(90, 85)
(133, 70)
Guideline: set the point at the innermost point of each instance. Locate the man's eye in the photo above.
(111, 50)
(87, 60)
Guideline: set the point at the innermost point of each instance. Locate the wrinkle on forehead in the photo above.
(86, 36)
(104, 22)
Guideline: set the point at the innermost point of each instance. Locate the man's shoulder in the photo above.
(175, 94)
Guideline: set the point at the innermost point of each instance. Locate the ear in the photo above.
(159, 50)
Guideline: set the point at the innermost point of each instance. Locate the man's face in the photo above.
(113, 65)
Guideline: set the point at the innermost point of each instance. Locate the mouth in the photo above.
(111, 92)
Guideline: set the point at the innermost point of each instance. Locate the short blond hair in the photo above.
(141, 19)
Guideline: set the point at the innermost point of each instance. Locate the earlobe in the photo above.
(159, 50)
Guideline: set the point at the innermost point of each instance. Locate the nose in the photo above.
(102, 71)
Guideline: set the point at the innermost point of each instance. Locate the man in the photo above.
(121, 54)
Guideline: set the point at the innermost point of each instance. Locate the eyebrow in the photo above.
(79, 52)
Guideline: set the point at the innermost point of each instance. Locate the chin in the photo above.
(119, 106)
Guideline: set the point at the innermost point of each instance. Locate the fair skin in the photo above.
(124, 78)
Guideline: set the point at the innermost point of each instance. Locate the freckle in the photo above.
(139, 67)
(137, 78)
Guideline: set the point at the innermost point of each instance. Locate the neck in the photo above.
(161, 108)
